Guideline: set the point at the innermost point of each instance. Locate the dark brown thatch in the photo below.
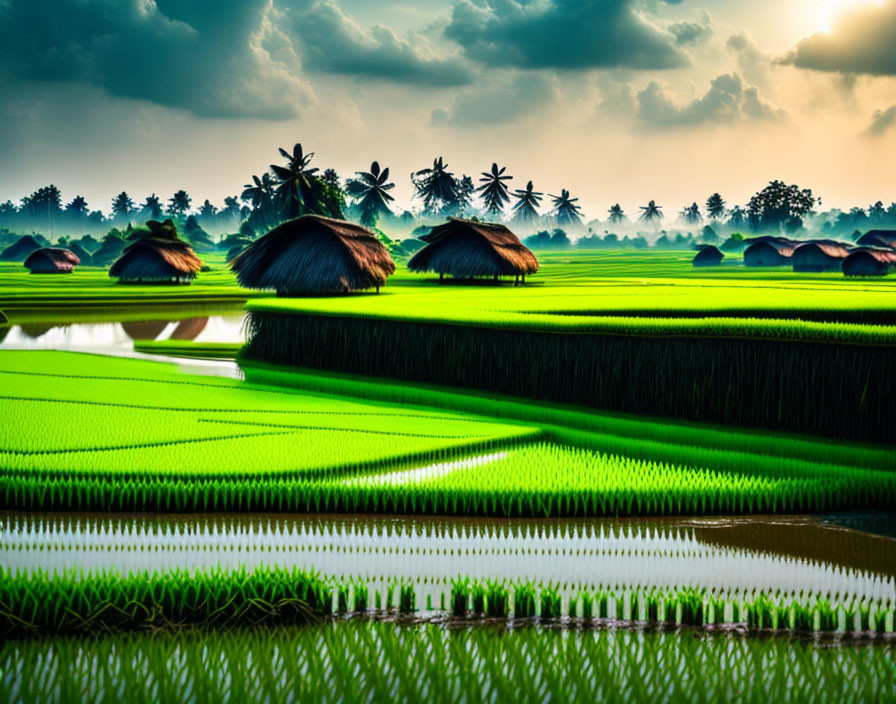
(189, 329)
(878, 238)
(466, 249)
(770, 251)
(709, 255)
(144, 329)
(819, 255)
(312, 255)
(52, 260)
(158, 261)
(869, 261)
(19, 251)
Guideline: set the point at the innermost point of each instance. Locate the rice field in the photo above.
(627, 509)
(384, 662)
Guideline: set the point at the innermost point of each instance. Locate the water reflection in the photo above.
(719, 555)
(113, 337)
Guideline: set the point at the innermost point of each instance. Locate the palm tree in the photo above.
(617, 214)
(298, 191)
(371, 189)
(151, 208)
(528, 200)
(651, 212)
(691, 214)
(122, 205)
(715, 206)
(259, 193)
(493, 189)
(565, 209)
(436, 186)
(179, 204)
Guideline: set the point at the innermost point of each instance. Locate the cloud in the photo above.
(863, 41)
(565, 34)
(882, 121)
(229, 59)
(693, 33)
(727, 101)
(333, 42)
(500, 102)
(752, 63)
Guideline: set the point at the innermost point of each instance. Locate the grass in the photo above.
(38, 603)
(385, 662)
(78, 438)
(189, 349)
(640, 333)
(89, 293)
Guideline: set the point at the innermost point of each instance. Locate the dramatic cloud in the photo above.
(332, 42)
(864, 41)
(230, 62)
(728, 101)
(504, 102)
(883, 120)
(693, 33)
(567, 34)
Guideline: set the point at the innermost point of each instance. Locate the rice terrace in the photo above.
(458, 406)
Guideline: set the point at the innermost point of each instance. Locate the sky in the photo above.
(615, 100)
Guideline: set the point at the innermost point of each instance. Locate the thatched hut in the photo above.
(709, 255)
(466, 249)
(870, 261)
(20, 251)
(878, 238)
(51, 260)
(819, 255)
(80, 253)
(156, 261)
(769, 251)
(314, 255)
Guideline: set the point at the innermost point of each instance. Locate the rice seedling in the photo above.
(733, 378)
(356, 662)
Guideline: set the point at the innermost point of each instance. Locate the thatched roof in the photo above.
(870, 261)
(52, 260)
(144, 329)
(157, 260)
(709, 255)
(466, 249)
(829, 248)
(878, 238)
(314, 254)
(19, 251)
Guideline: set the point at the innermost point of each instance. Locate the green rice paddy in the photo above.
(455, 543)
(387, 662)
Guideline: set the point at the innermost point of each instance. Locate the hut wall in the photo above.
(146, 266)
(813, 259)
(45, 265)
(314, 263)
(763, 254)
(463, 256)
(863, 264)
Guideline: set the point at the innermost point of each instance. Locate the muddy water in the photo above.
(781, 554)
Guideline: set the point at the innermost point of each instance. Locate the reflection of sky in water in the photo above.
(115, 336)
(575, 555)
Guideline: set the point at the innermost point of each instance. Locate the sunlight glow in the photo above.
(827, 12)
